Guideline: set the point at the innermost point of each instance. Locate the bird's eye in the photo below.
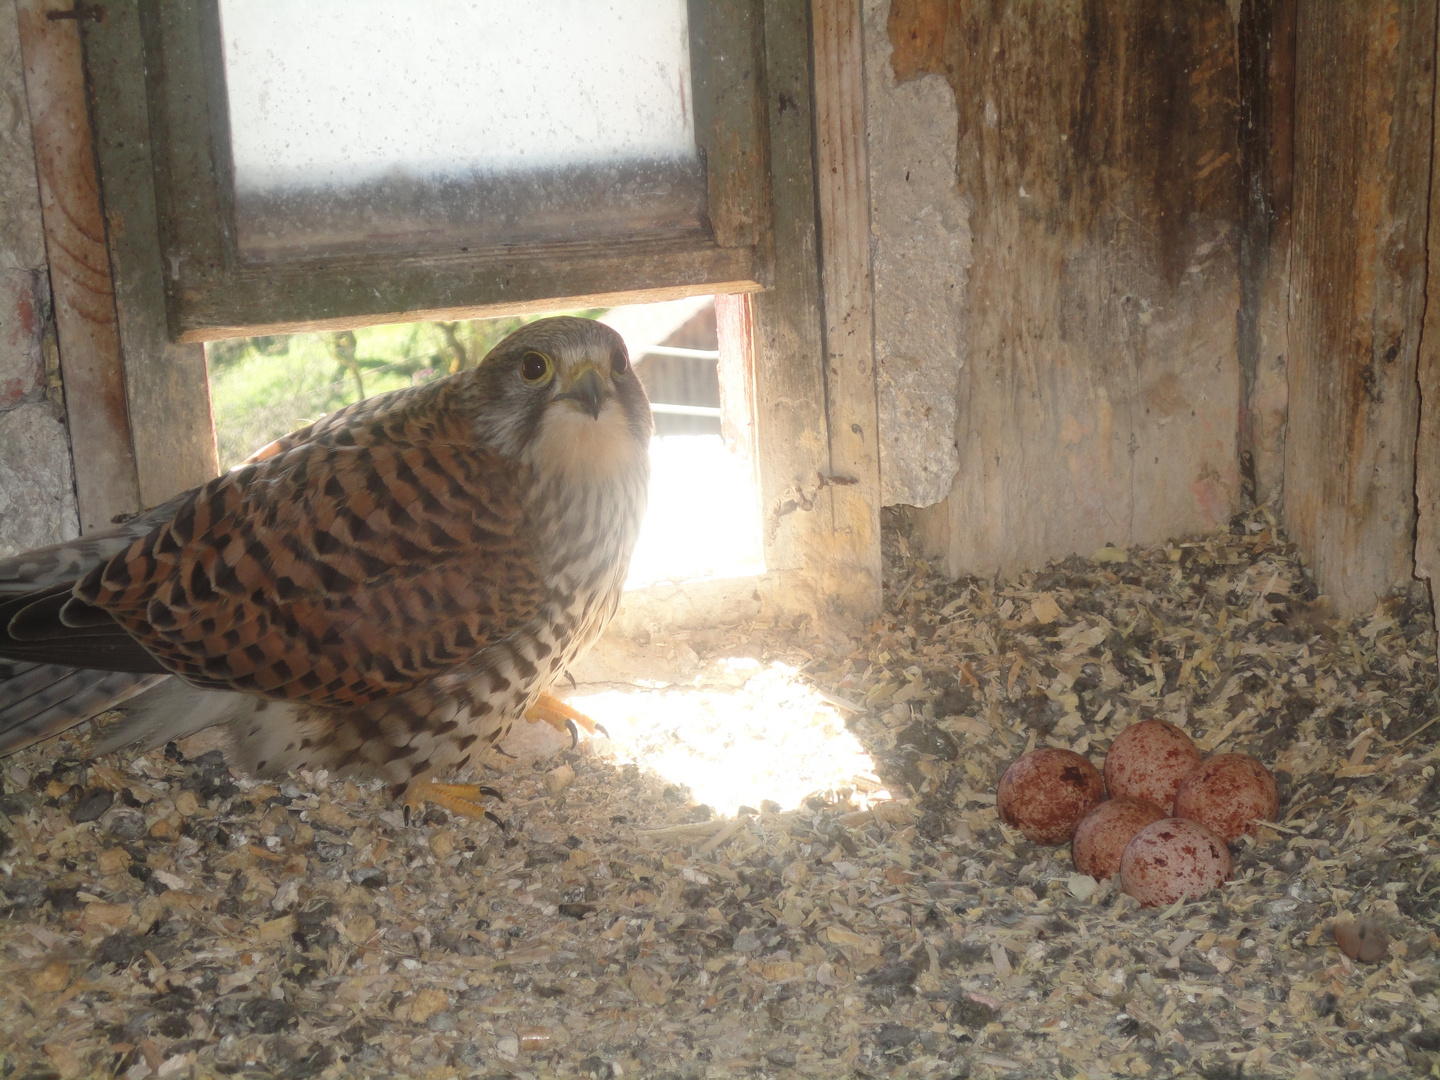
(536, 367)
(619, 361)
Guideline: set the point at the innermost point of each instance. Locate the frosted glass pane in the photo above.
(354, 122)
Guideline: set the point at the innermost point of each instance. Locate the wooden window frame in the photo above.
(790, 221)
(211, 292)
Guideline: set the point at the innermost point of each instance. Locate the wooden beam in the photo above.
(789, 381)
(1364, 99)
(792, 445)
(735, 332)
(265, 306)
(167, 385)
(726, 36)
(843, 192)
(105, 473)
(1427, 376)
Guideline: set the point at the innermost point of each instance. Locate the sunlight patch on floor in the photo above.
(745, 734)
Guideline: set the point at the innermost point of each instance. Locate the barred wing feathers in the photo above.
(349, 567)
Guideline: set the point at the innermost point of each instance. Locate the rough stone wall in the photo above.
(920, 247)
(37, 487)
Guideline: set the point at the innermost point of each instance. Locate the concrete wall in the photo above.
(37, 488)
(1056, 197)
(920, 244)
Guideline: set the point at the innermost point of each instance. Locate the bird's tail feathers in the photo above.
(41, 700)
(264, 736)
(172, 710)
(273, 738)
(64, 563)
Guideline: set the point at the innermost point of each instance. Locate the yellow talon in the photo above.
(463, 799)
(560, 716)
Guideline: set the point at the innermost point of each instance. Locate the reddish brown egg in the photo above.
(1148, 760)
(1364, 940)
(1173, 858)
(1101, 837)
(1228, 793)
(1045, 794)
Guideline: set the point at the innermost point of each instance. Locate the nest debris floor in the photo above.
(162, 916)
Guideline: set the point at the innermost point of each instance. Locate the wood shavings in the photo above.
(204, 924)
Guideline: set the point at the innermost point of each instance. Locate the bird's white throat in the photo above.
(583, 448)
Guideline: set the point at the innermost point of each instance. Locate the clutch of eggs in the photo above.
(1169, 816)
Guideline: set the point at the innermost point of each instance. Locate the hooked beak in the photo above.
(587, 389)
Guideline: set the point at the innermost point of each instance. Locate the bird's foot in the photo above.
(562, 717)
(460, 799)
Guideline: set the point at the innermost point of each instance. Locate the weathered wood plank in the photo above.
(726, 37)
(296, 299)
(735, 332)
(1364, 100)
(166, 383)
(1427, 377)
(105, 475)
(197, 236)
(1267, 143)
(842, 189)
(792, 445)
(1098, 152)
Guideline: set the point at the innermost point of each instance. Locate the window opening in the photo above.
(703, 519)
(704, 516)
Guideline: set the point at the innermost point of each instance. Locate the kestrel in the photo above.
(384, 592)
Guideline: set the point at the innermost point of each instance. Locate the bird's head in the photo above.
(560, 394)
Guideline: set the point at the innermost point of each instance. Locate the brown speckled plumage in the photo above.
(382, 590)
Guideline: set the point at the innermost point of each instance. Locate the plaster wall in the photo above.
(920, 251)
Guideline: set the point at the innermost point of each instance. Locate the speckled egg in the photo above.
(1101, 836)
(1046, 792)
(1172, 858)
(1148, 760)
(1228, 793)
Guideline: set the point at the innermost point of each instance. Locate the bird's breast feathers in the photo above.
(569, 444)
